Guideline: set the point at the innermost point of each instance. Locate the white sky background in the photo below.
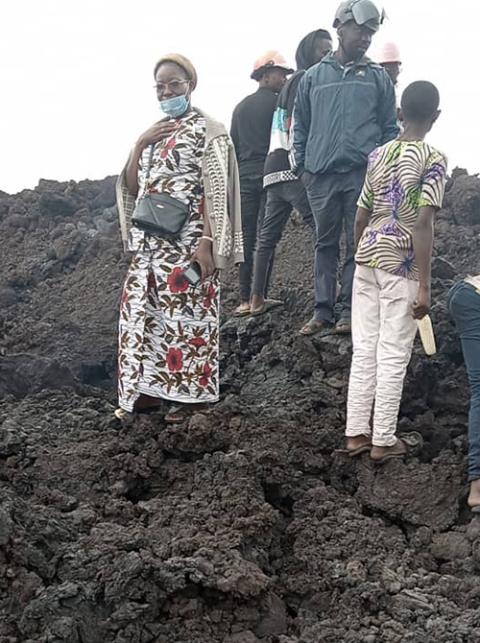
(77, 83)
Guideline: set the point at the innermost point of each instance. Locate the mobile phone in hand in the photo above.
(193, 274)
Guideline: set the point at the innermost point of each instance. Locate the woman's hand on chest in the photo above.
(157, 132)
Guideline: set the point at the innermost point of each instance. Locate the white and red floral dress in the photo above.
(168, 339)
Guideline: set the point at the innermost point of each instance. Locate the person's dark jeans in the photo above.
(282, 198)
(333, 199)
(464, 306)
(253, 210)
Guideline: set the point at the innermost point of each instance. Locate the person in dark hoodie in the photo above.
(285, 192)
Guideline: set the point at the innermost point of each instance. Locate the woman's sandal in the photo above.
(178, 413)
(122, 415)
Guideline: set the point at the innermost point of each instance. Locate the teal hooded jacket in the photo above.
(341, 114)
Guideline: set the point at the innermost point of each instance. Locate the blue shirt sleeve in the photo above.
(387, 112)
(301, 124)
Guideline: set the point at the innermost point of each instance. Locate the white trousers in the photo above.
(383, 331)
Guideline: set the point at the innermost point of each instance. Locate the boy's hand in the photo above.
(421, 306)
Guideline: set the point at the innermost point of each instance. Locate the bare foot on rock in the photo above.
(474, 495)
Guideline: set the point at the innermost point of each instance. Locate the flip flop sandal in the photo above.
(313, 327)
(343, 327)
(475, 509)
(176, 414)
(268, 305)
(413, 442)
(241, 312)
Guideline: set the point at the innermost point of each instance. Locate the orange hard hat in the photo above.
(389, 53)
(271, 58)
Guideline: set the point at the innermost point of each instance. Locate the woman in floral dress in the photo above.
(168, 336)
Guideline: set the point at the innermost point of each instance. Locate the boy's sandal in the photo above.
(241, 311)
(365, 448)
(408, 444)
(267, 306)
(315, 326)
(352, 453)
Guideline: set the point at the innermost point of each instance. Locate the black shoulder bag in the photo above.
(158, 213)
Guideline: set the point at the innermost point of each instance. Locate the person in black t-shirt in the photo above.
(284, 189)
(250, 132)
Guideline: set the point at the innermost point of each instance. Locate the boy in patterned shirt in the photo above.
(403, 190)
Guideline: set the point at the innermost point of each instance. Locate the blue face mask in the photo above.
(175, 106)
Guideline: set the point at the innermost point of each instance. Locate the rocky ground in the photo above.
(241, 527)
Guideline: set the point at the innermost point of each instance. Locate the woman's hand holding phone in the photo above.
(203, 256)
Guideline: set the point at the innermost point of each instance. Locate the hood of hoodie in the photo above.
(277, 164)
(304, 55)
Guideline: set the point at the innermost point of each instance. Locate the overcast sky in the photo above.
(77, 83)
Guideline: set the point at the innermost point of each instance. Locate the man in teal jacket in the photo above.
(345, 107)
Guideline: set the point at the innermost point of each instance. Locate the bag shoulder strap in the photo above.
(149, 165)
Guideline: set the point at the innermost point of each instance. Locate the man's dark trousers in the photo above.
(333, 198)
(253, 211)
(282, 198)
(464, 306)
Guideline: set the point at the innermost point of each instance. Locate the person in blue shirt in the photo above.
(345, 107)
(464, 306)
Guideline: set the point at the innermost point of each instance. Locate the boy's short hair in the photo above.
(420, 101)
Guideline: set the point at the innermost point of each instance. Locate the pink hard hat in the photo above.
(389, 53)
(271, 58)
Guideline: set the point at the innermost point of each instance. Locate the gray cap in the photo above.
(363, 12)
